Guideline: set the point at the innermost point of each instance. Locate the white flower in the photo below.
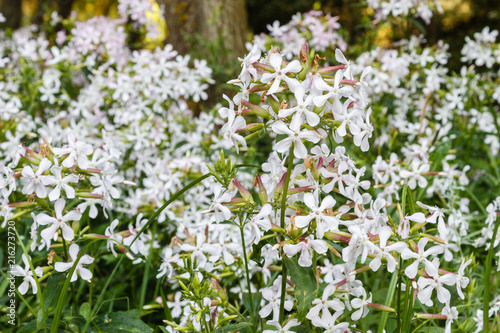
(176, 305)
(222, 213)
(200, 249)
(437, 215)
(339, 56)
(323, 222)
(260, 220)
(248, 71)
(361, 304)
(166, 267)
(84, 273)
(275, 59)
(223, 247)
(334, 92)
(60, 182)
(421, 257)
(362, 131)
(77, 151)
(305, 247)
(414, 176)
(58, 222)
(35, 181)
(462, 281)
(452, 314)
(27, 276)
(426, 286)
(285, 329)
(7, 181)
(294, 136)
(302, 111)
(323, 305)
(273, 296)
(230, 128)
(354, 183)
(112, 237)
(404, 224)
(385, 251)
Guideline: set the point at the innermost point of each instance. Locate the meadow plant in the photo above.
(376, 210)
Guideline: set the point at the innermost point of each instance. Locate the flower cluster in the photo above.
(316, 211)
(112, 136)
(341, 173)
(421, 9)
(319, 30)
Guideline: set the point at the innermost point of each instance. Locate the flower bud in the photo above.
(262, 189)
(214, 284)
(257, 110)
(83, 194)
(292, 229)
(381, 307)
(274, 103)
(280, 186)
(243, 191)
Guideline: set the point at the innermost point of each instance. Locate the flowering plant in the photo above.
(327, 194)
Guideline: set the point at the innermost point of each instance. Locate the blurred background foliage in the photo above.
(217, 30)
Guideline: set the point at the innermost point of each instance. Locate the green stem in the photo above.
(398, 329)
(145, 277)
(75, 303)
(150, 221)
(486, 280)
(247, 271)
(388, 301)
(60, 301)
(39, 294)
(282, 225)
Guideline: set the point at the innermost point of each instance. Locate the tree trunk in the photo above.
(62, 7)
(210, 19)
(226, 19)
(12, 10)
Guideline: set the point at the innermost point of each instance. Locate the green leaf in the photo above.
(431, 330)
(160, 329)
(233, 327)
(417, 24)
(256, 297)
(39, 320)
(52, 291)
(116, 322)
(85, 311)
(31, 327)
(304, 329)
(306, 286)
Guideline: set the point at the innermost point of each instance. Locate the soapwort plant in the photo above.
(363, 216)
(320, 216)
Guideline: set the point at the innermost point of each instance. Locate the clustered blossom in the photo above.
(422, 9)
(68, 162)
(302, 101)
(128, 142)
(314, 27)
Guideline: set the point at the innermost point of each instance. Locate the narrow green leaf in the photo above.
(306, 286)
(257, 297)
(52, 291)
(117, 322)
(233, 327)
(85, 311)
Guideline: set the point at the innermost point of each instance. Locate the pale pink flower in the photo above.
(421, 257)
(27, 276)
(275, 59)
(36, 181)
(84, 273)
(305, 248)
(58, 222)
